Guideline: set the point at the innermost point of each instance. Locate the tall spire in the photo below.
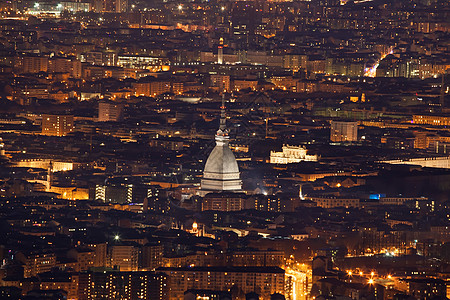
(223, 121)
(220, 52)
(222, 133)
(49, 182)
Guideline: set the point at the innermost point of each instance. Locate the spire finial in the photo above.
(223, 124)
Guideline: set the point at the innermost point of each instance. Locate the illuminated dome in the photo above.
(221, 161)
(221, 171)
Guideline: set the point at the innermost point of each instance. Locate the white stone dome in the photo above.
(221, 161)
(221, 171)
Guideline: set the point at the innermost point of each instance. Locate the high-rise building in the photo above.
(221, 171)
(110, 112)
(113, 284)
(57, 125)
(52, 283)
(123, 192)
(223, 201)
(159, 204)
(221, 82)
(114, 193)
(272, 203)
(124, 256)
(76, 6)
(267, 280)
(110, 5)
(83, 257)
(256, 258)
(121, 5)
(342, 131)
(32, 64)
(100, 253)
(152, 255)
(69, 65)
(36, 262)
(151, 89)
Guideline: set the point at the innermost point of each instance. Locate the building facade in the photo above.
(344, 131)
(291, 154)
(57, 125)
(223, 201)
(113, 284)
(110, 112)
(265, 281)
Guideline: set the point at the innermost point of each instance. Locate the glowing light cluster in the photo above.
(372, 71)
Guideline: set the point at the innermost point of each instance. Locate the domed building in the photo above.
(221, 171)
